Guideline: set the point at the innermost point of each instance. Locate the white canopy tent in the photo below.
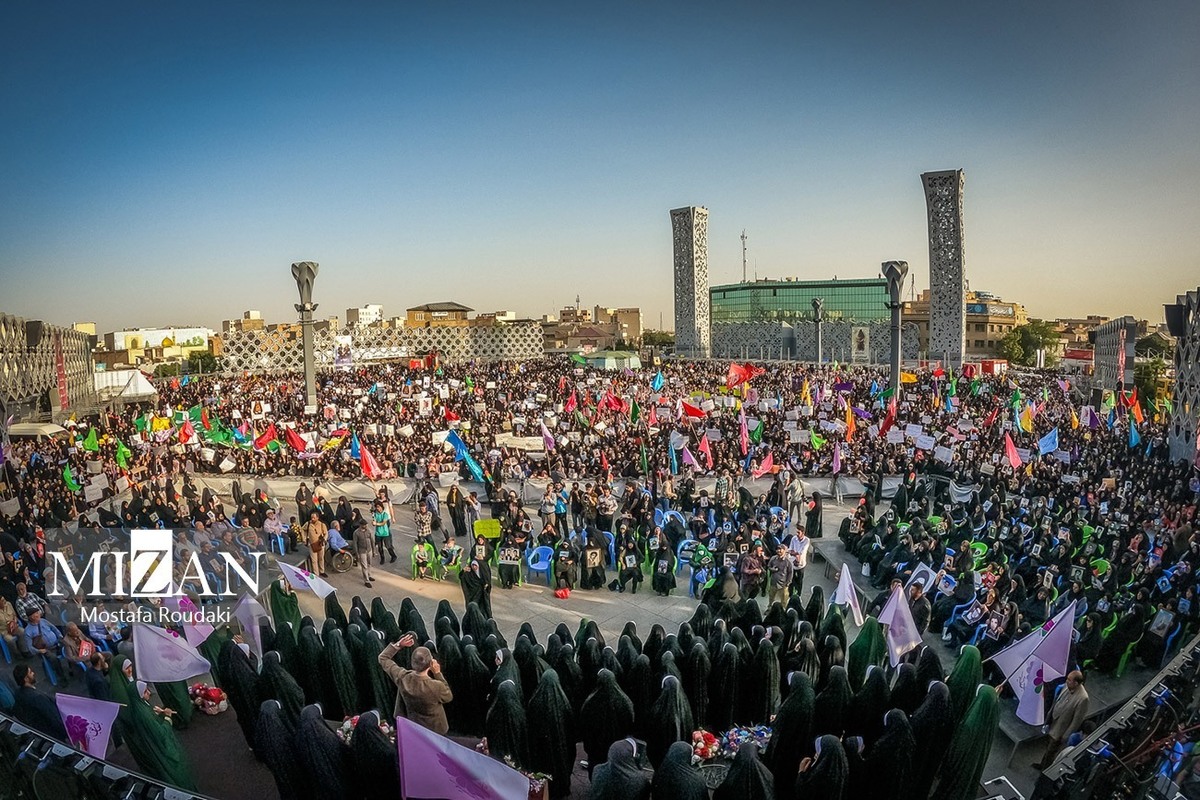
(123, 384)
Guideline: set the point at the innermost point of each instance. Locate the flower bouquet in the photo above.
(346, 731)
(704, 746)
(734, 738)
(209, 699)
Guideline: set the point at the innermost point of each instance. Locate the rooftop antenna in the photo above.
(743, 255)
(577, 306)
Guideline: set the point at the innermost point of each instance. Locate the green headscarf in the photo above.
(210, 648)
(868, 648)
(150, 738)
(285, 606)
(969, 749)
(174, 696)
(966, 675)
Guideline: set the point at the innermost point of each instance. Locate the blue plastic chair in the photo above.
(659, 517)
(4, 650)
(683, 554)
(787, 519)
(612, 547)
(540, 559)
(51, 672)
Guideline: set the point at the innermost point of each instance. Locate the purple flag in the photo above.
(861, 413)
(195, 629)
(837, 459)
(89, 722)
(843, 387)
(547, 438)
(688, 458)
(1051, 643)
(433, 767)
(902, 634)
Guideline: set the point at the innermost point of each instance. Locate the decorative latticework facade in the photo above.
(271, 352)
(1112, 358)
(28, 373)
(947, 269)
(1185, 395)
(779, 340)
(689, 238)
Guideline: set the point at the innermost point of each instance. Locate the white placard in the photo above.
(95, 467)
(310, 411)
(714, 434)
(799, 436)
(99, 480)
(121, 485)
(227, 464)
(93, 494)
(707, 405)
(895, 436)
(406, 430)
(1023, 454)
(943, 454)
(912, 430)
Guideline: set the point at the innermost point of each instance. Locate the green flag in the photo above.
(1015, 398)
(69, 479)
(580, 420)
(635, 413)
(757, 434)
(273, 446)
(123, 454)
(975, 387)
(645, 462)
(886, 393)
(90, 442)
(578, 359)
(816, 440)
(470, 384)
(141, 423)
(952, 388)
(196, 413)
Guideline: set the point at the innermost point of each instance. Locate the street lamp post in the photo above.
(895, 272)
(305, 272)
(818, 306)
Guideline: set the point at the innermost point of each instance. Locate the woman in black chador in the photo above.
(476, 580)
(662, 564)
(608, 712)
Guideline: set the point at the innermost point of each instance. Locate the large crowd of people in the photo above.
(1013, 497)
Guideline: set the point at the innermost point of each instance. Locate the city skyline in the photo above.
(511, 159)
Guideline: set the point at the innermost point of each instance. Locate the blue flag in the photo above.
(1048, 443)
(463, 453)
(657, 383)
(874, 388)
(674, 463)
(355, 453)
(1135, 438)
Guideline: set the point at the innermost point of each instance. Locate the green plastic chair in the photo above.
(1101, 566)
(1124, 663)
(431, 556)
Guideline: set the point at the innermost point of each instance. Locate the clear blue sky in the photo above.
(165, 162)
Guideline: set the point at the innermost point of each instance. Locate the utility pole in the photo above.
(743, 255)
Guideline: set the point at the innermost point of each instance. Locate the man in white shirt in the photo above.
(800, 545)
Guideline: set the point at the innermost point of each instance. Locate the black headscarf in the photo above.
(474, 623)
(907, 692)
(832, 705)
(670, 721)
(724, 686)
(375, 762)
(630, 630)
(701, 621)
(309, 675)
(384, 621)
(552, 734)
(275, 683)
(827, 777)
(334, 611)
(506, 727)
(473, 708)
(929, 667)
(325, 762)
(274, 742)
(241, 686)
(640, 686)
(932, 725)
(382, 696)
(791, 734)
(606, 716)
(748, 778)
(357, 604)
(339, 694)
(676, 778)
(888, 761)
(814, 612)
(289, 654)
(620, 777)
(764, 685)
(869, 705)
(695, 681)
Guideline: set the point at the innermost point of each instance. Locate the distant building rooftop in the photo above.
(441, 307)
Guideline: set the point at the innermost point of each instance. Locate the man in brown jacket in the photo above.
(422, 690)
(318, 539)
(1067, 715)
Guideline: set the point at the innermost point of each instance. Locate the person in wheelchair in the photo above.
(339, 548)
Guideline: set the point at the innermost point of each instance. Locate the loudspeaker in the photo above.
(93, 342)
(1176, 319)
(34, 328)
(1092, 338)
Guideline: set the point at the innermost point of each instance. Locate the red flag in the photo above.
(737, 374)
(186, 432)
(267, 437)
(939, 372)
(743, 434)
(295, 440)
(370, 466)
(987, 423)
(653, 418)
(562, 383)
(767, 465)
(204, 419)
(450, 415)
(691, 411)
(603, 462)
(1010, 450)
(705, 448)
(569, 406)
(889, 420)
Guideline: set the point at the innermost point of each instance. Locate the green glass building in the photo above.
(861, 299)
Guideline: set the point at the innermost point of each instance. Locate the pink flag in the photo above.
(767, 465)
(743, 433)
(688, 458)
(1051, 643)
(370, 467)
(89, 722)
(902, 633)
(706, 450)
(434, 768)
(837, 459)
(547, 438)
(303, 579)
(1010, 450)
